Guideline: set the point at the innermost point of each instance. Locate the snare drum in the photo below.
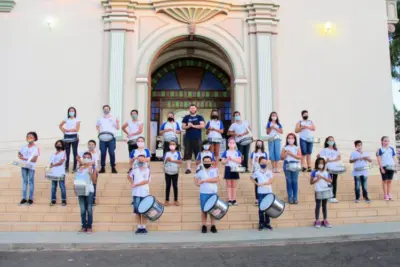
(337, 170)
(215, 140)
(106, 136)
(171, 168)
(390, 167)
(70, 138)
(151, 208)
(81, 184)
(293, 166)
(48, 174)
(22, 164)
(132, 142)
(216, 207)
(272, 206)
(238, 169)
(324, 194)
(272, 137)
(246, 141)
(170, 138)
(364, 168)
(310, 139)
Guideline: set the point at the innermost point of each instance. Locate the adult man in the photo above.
(305, 127)
(109, 125)
(133, 129)
(240, 129)
(192, 123)
(169, 130)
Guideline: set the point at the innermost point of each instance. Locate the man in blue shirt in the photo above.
(192, 123)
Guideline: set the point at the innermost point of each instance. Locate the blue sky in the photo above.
(396, 93)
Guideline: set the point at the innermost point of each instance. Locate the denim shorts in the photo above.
(203, 199)
(136, 202)
(306, 147)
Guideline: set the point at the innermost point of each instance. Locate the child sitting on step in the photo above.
(207, 178)
(140, 178)
(263, 179)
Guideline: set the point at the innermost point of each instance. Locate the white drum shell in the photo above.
(216, 207)
(272, 206)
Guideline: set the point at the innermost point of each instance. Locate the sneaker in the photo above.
(83, 230)
(89, 231)
(333, 200)
(309, 169)
(23, 201)
(390, 196)
(66, 170)
(52, 203)
(144, 231)
(357, 201)
(176, 203)
(94, 203)
(234, 203)
(64, 203)
(188, 171)
(204, 229)
(386, 198)
(317, 224)
(268, 226)
(102, 170)
(30, 202)
(303, 169)
(290, 201)
(326, 224)
(367, 200)
(166, 203)
(295, 201)
(230, 203)
(260, 227)
(214, 229)
(256, 202)
(138, 231)
(114, 170)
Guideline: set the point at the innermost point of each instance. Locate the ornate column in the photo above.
(391, 9)
(142, 102)
(119, 22)
(240, 97)
(6, 5)
(262, 24)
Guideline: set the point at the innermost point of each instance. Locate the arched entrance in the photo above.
(190, 72)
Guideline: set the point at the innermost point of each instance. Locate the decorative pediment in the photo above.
(191, 12)
(6, 5)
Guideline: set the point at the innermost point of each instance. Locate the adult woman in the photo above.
(70, 127)
(214, 129)
(274, 128)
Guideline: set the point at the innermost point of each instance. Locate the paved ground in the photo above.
(362, 253)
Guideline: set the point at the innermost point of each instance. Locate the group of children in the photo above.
(207, 176)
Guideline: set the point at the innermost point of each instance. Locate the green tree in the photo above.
(394, 39)
(397, 122)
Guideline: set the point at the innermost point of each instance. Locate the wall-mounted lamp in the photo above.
(326, 29)
(50, 22)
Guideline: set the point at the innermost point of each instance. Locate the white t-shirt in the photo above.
(216, 124)
(133, 127)
(239, 128)
(387, 155)
(88, 171)
(95, 157)
(176, 155)
(208, 188)
(255, 155)
(233, 154)
(305, 133)
(71, 124)
(58, 171)
(107, 124)
(273, 126)
(294, 149)
(170, 125)
(330, 154)
(359, 163)
(29, 153)
(321, 185)
(138, 175)
(263, 177)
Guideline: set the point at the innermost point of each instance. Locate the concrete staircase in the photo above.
(114, 212)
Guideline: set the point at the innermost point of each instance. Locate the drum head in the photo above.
(267, 201)
(146, 204)
(210, 203)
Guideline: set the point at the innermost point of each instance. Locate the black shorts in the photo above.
(230, 175)
(192, 146)
(388, 175)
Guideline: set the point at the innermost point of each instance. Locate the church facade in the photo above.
(328, 57)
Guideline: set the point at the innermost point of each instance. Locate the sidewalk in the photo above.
(127, 240)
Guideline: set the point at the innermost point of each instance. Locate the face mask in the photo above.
(231, 145)
(359, 148)
(214, 117)
(290, 141)
(207, 165)
(91, 148)
(58, 148)
(305, 117)
(134, 117)
(71, 114)
(206, 147)
(237, 118)
(321, 166)
(30, 140)
(87, 160)
(331, 143)
(274, 118)
(172, 147)
(106, 112)
(170, 119)
(140, 144)
(263, 166)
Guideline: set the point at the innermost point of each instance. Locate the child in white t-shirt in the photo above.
(174, 158)
(140, 179)
(207, 179)
(322, 181)
(386, 160)
(95, 163)
(57, 165)
(259, 151)
(360, 171)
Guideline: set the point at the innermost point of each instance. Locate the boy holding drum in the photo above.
(207, 178)
(140, 179)
(263, 179)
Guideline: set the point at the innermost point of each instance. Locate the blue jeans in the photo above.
(263, 218)
(86, 206)
(361, 181)
(274, 148)
(28, 177)
(306, 147)
(292, 183)
(136, 203)
(74, 152)
(54, 190)
(245, 150)
(110, 145)
(203, 199)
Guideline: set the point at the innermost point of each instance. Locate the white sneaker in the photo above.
(333, 200)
